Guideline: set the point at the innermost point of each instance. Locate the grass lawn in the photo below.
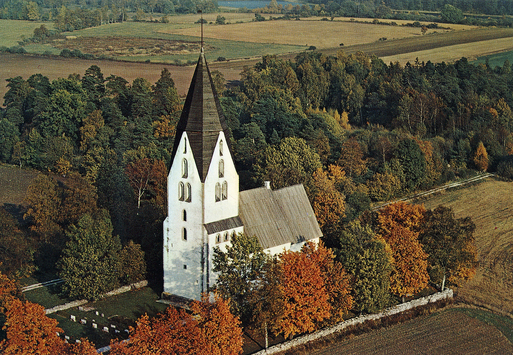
(121, 311)
(11, 31)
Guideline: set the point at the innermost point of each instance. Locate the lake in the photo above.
(252, 4)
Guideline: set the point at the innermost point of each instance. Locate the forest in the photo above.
(354, 130)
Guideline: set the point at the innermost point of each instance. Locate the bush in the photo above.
(66, 53)
(221, 59)
(312, 48)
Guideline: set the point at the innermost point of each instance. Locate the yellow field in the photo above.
(490, 206)
(448, 54)
(321, 34)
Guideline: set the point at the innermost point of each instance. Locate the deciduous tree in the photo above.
(368, 260)
(239, 267)
(481, 157)
(133, 265)
(89, 264)
(327, 202)
(148, 177)
(450, 244)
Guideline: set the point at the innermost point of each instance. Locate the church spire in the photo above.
(202, 117)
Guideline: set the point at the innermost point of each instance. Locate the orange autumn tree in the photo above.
(210, 330)
(219, 327)
(30, 331)
(336, 279)
(305, 295)
(481, 157)
(173, 332)
(398, 226)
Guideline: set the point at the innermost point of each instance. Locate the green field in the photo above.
(495, 60)
(12, 31)
(216, 47)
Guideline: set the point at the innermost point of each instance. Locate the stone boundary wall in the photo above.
(448, 293)
(77, 303)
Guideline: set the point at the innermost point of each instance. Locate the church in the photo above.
(205, 208)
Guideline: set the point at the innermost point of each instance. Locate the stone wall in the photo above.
(448, 293)
(77, 303)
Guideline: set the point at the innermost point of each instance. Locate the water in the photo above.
(252, 4)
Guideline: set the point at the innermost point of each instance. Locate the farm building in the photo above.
(205, 207)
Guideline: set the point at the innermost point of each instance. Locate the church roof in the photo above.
(202, 118)
(278, 217)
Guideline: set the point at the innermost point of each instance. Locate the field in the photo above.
(497, 59)
(490, 206)
(454, 331)
(12, 31)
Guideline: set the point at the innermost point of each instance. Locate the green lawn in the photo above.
(11, 31)
(121, 311)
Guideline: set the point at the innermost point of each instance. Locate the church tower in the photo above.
(203, 191)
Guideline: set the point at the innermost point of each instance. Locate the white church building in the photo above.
(205, 207)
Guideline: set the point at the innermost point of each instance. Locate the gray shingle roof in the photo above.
(202, 118)
(278, 217)
(225, 224)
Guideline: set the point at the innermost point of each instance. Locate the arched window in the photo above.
(184, 233)
(221, 168)
(188, 192)
(181, 191)
(184, 215)
(185, 170)
(226, 236)
(218, 238)
(218, 192)
(225, 190)
(221, 148)
(184, 145)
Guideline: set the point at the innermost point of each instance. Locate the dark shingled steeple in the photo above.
(202, 118)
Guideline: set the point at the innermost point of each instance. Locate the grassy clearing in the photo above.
(490, 206)
(11, 31)
(14, 183)
(450, 331)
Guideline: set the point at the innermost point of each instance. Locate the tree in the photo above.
(368, 259)
(220, 328)
(89, 264)
(305, 298)
(165, 96)
(44, 208)
(337, 280)
(481, 157)
(133, 266)
(450, 244)
(148, 177)
(327, 202)
(8, 291)
(239, 267)
(412, 162)
(173, 332)
(79, 198)
(398, 226)
(30, 331)
(16, 249)
(451, 14)
(291, 162)
(351, 158)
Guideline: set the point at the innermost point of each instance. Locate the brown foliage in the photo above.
(481, 157)
(148, 176)
(352, 158)
(328, 203)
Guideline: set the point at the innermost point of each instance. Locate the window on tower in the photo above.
(184, 215)
(221, 168)
(184, 233)
(188, 193)
(185, 170)
(225, 190)
(185, 145)
(221, 147)
(218, 192)
(181, 191)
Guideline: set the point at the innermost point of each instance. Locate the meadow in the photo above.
(11, 31)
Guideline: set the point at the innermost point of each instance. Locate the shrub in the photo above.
(66, 53)
(312, 48)
(221, 59)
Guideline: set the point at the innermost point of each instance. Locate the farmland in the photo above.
(490, 206)
(13, 31)
(454, 331)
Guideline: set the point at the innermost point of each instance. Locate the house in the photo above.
(205, 207)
